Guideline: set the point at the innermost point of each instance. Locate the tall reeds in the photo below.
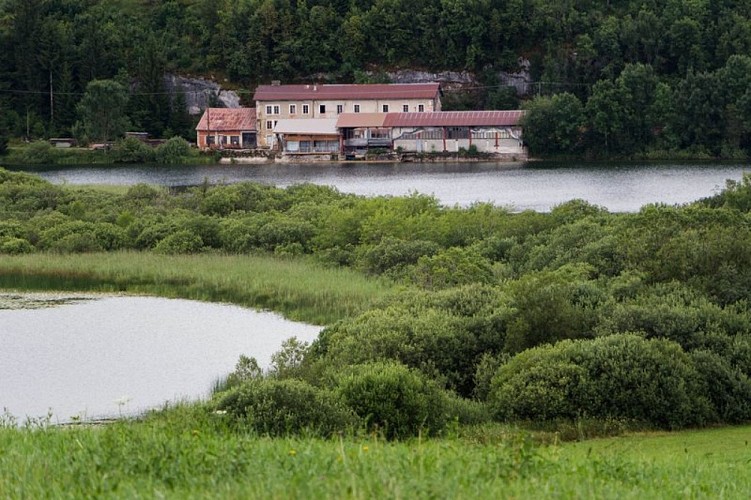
(300, 289)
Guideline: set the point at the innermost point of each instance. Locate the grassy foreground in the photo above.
(300, 289)
(188, 454)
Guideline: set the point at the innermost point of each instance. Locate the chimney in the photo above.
(276, 83)
(315, 87)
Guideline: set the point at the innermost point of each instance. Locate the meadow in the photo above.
(186, 453)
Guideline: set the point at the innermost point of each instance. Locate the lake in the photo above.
(99, 356)
(539, 186)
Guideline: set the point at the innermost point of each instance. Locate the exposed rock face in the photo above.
(199, 93)
(452, 79)
(410, 76)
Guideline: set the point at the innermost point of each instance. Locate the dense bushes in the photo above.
(575, 313)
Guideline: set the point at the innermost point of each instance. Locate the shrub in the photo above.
(283, 407)
(182, 241)
(393, 399)
(392, 252)
(14, 246)
(38, 152)
(80, 236)
(452, 267)
(132, 150)
(175, 150)
(620, 376)
(726, 387)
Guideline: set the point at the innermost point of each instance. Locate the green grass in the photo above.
(191, 453)
(300, 289)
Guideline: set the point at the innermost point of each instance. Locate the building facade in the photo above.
(495, 132)
(328, 101)
(227, 128)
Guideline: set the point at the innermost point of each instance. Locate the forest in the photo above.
(608, 79)
(642, 319)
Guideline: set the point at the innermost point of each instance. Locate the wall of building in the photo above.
(504, 146)
(267, 121)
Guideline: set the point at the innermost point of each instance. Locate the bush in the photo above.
(38, 152)
(80, 236)
(452, 267)
(182, 241)
(174, 150)
(284, 407)
(393, 399)
(393, 253)
(14, 246)
(726, 387)
(620, 376)
(132, 150)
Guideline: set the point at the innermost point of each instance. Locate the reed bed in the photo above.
(299, 288)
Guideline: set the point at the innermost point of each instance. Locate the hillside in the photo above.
(51, 50)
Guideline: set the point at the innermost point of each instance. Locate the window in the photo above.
(322, 109)
(292, 109)
(339, 109)
(405, 108)
(305, 109)
(269, 110)
(269, 125)
(272, 110)
(421, 108)
(356, 108)
(385, 108)
(276, 110)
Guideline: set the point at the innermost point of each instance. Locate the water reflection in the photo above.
(111, 354)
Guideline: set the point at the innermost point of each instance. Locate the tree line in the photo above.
(577, 313)
(53, 49)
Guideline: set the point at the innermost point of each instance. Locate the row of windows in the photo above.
(274, 109)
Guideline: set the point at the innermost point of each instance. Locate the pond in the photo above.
(94, 356)
(619, 187)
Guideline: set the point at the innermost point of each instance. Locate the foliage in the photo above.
(102, 111)
(617, 376)
(552, 124)
(132, 150)
(393, 400)
(457, 296)
(282, 407)
(173, 151)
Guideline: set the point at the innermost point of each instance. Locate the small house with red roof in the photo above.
(327, 101)
(227, 128)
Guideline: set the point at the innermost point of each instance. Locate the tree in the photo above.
(102, 111)
(552, 125)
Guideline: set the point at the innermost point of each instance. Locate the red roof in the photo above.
(454, 119)
(228, 119)
(347, 91)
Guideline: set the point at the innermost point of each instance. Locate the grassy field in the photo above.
(300, 289)
(184, 453)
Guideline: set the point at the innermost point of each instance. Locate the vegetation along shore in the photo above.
(468, 339)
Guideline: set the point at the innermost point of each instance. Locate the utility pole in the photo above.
(52, 101)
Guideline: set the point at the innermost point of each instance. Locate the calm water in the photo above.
(84, 357)
(534, 186)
